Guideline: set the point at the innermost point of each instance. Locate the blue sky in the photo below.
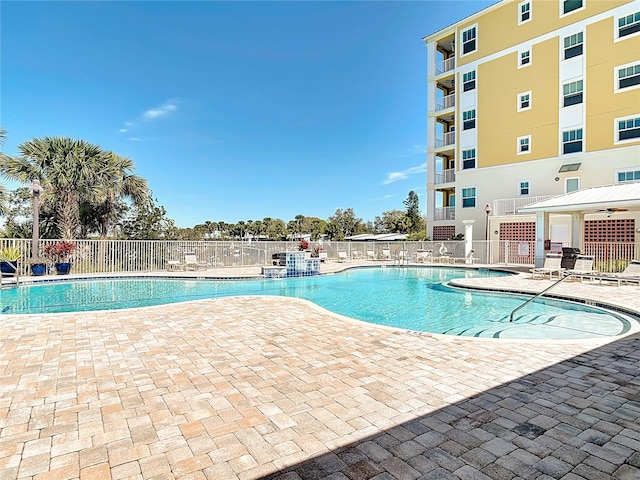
(233, 110)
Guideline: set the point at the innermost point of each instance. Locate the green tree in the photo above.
(70, 171)
(224, 229)
(239, 230)
(415, 220)
(210, 229)
(344, 224)
(122, 186)
(316, 227)
(276, 229)
(148, 221)
(17, 212)
(393, 221)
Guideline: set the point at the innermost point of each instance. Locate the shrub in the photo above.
(59, 252)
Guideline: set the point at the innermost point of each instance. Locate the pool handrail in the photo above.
(539, 294)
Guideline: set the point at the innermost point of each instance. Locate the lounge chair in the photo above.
(342, 256)
(371, 254)
(583, 267)
(402, 257)
(424, 256)
(386, 254)
(322, 256)
(173, 265)
(631, 274)
(552, 265)
(191, 262)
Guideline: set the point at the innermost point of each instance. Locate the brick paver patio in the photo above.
(267, 387)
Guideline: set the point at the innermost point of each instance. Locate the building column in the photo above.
(468, 236)
(543, 232)
(577, 230)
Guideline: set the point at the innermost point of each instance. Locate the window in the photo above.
(525, 58)
(468, 40)
(628, 175)
(571, 184)
(524, 101)
(628, 129)
(569, 6)
(524, 144)
(572, 93)
(629, 24)
(628, 76)
(469, 119)
(469, 197)
(524, 12)
(469, 81)
(469, 158)
(523, 188)
(572, 141)
(573, 45)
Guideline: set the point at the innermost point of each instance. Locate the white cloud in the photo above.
(161, 111)
(397, 176)
(149, 115)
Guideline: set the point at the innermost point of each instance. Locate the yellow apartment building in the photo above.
(528, 100)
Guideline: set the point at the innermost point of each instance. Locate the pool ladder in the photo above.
(10, 283)
(539, 294)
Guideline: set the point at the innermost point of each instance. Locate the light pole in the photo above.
(487, 210)
(36, 189)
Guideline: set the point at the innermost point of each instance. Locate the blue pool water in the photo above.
(409, 298)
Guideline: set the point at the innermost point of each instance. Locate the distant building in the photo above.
(528, 100)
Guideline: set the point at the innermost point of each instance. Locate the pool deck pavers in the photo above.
(277, 388)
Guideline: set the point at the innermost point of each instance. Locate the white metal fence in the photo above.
(116, 256)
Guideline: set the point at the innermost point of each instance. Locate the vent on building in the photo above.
(569, 167)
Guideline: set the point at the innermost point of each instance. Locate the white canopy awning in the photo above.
(608, 198)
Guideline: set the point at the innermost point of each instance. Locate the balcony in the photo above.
(446, 176)
(444, 213)
(449, 138)
(445, 65)
(445, 102)
(510, 206)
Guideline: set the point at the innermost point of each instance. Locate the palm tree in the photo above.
(107, 209)
(71, 172)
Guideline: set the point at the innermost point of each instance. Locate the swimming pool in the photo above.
(413, 298)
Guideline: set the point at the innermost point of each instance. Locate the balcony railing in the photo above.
(445, 65)
(446, 176)
(444, 213)
(510, 206)
(445, 102)
(448, 101)
(449, 138)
